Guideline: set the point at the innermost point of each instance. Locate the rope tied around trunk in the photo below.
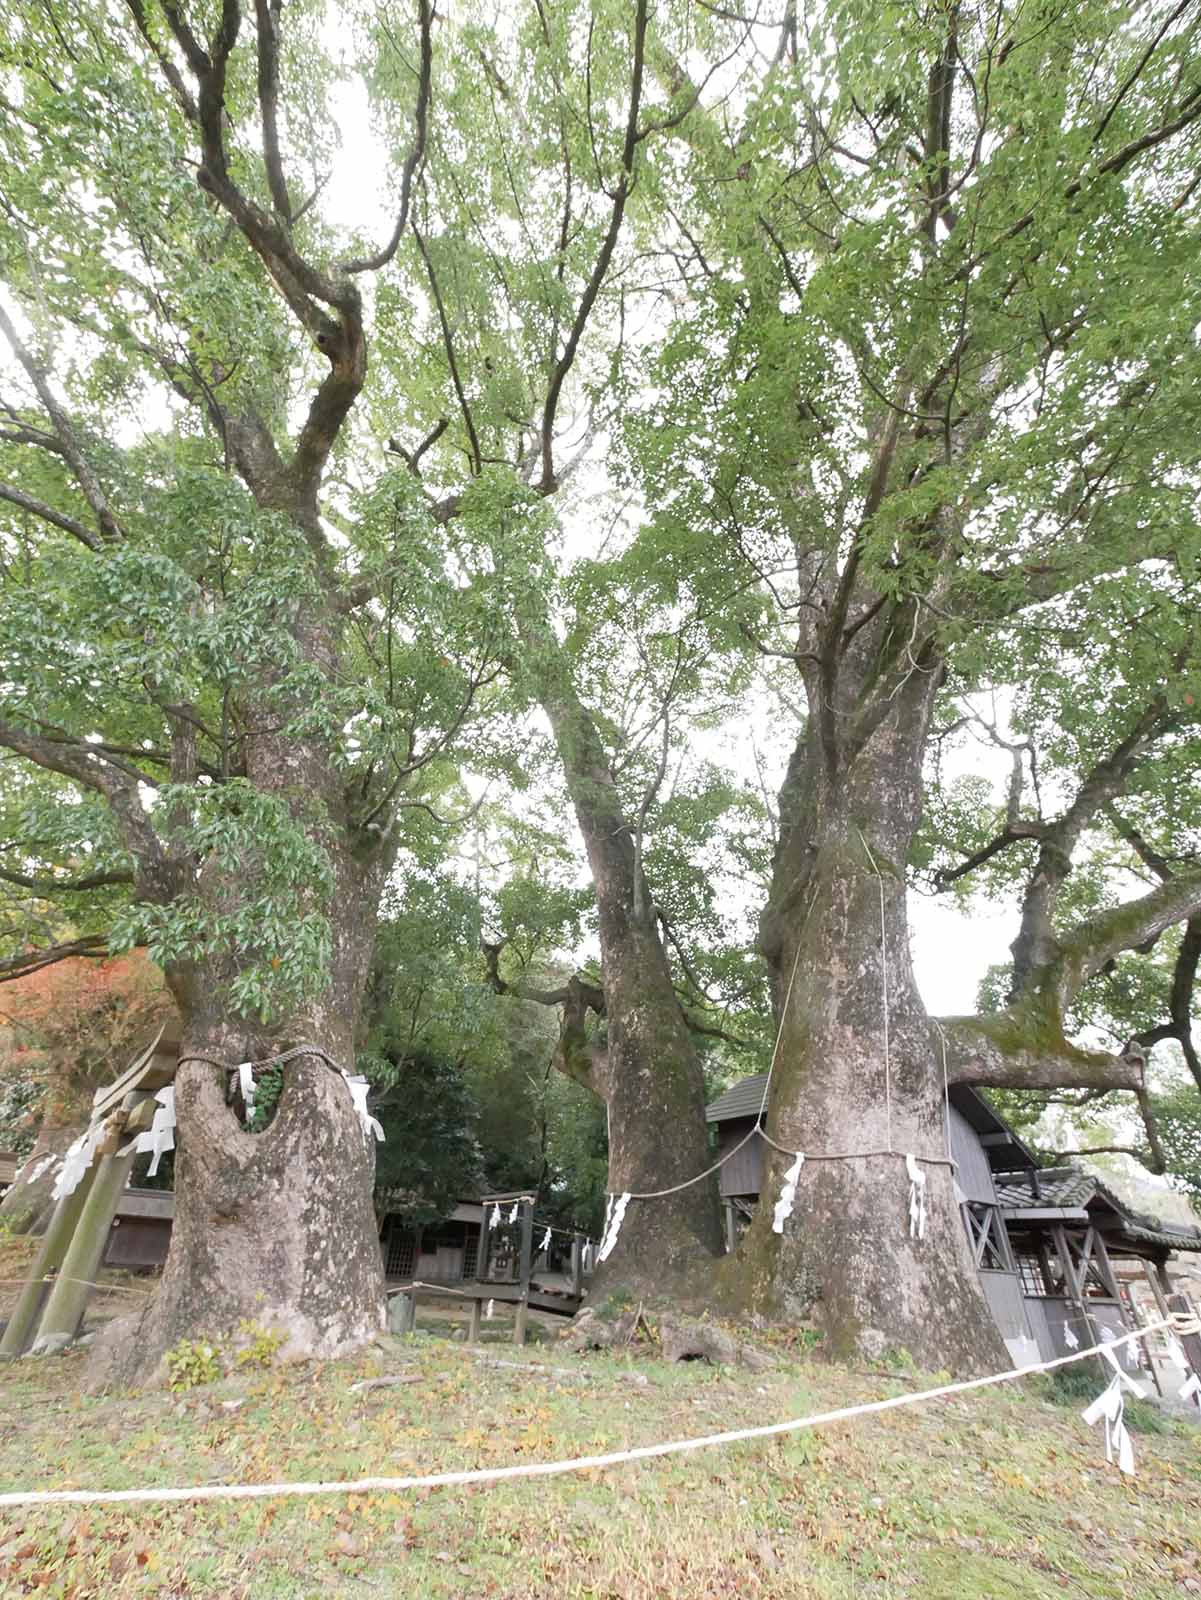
(616, 1203)
(245, 1071)
(160, 1137)
(268, 1061)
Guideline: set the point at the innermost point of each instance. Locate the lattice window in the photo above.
(1031, 1273)
(401, 1258)
(471, 1253)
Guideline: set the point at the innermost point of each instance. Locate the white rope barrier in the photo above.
(551, 1469)
(87, 1283)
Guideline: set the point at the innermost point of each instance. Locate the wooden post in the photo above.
(1044, 1265)
(1190, 1343)
(525, 1266)
(473, 1330)
(402, 1312)
(731, 1237)
(481, 1255)
(73, 1287)
(55, 1241)
(577, 1265)
(1165, 1312)
(1115, 1289)
(525, 1262)
(1161, 1299)
(1074, 1284)
(1162, 1304)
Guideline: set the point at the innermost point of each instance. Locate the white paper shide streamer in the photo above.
(77, 1161)
(787, 1198)
(917, 1198)
(545, 1245)
(1130, 1355)
(160, 1136)
(513, 1215)
(1191, 1389)
(1110, 1407)
(30, 1173)
(615, 1214)
(1069, 1337)
(358, 1093)
(493, 1217)
(246, 1085)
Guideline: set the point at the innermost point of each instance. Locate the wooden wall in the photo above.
(974, 1176)
(743, 1174)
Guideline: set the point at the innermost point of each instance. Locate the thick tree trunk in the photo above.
(650, 1078)
(857, 1083)
(655, 1097)
(274, 1229)
(277, 1228)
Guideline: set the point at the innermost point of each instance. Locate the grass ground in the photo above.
(999, 1495)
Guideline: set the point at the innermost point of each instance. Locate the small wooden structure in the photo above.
(140, 1234)
(10, 1165)
(513, 1259)
(1078, 1249)
(51, 1305)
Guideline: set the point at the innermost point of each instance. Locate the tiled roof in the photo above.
(1072, 1189)
(1055, 1189)
(742, 1099)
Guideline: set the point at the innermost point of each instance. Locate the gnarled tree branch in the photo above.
(94, 945)
(1006, 1051)
(119, 787)
(1036, 944)
(576, 1056)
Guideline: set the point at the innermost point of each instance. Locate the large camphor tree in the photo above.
(252, 573)
(938, 358)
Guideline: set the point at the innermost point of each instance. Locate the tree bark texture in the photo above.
(275, 1228)
(649, 1074)
(858, 1070)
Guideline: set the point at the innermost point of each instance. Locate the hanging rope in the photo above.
(883, 992)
